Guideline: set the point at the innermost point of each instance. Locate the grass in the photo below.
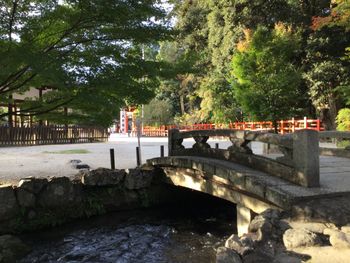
(73, 151)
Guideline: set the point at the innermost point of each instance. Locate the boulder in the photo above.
(241, 245)
(227, 255)
(337, 238)
(294, 238)
(8, 203)
(138, 178)
(262, 226)
(102, 177)
(12, 249)
(32, 185)
(311, 226)
(346, 229)
(59, 192)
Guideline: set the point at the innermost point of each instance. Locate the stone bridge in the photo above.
(291, 170)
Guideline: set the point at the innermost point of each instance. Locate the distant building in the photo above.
(14, 119)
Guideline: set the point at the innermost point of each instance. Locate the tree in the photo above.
(178, 82)
(265, 79)
(158, 112)
(82, 51)
(327, 69)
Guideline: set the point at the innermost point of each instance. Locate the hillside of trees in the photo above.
(258, 60)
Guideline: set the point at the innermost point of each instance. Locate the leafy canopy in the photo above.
(265, 79)
(86, 53)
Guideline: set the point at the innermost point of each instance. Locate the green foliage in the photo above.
(218, 103)
(343, 124)
(87, 54)
(326, 72)
(158, 112)
(343, 120)
(265, 79)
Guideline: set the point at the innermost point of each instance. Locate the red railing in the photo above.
(284, 126)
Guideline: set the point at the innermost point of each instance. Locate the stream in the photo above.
(182, 233)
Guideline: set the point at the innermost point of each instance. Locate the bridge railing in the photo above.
(336, 136)
(299, 163)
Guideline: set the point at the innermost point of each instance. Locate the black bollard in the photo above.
(216, 145)
(111, 152)
(138, 156)
(162, 151)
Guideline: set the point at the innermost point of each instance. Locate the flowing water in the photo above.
(184, 233)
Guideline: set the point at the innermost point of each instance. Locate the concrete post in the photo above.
(306, 157)
(171, 134)
(244, 217)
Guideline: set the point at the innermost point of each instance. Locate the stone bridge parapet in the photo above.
(299, 163)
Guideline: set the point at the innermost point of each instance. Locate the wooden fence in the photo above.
(38, 135)
(284, 126)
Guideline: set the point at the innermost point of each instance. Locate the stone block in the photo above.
(32, 185)
(294, 238)
(138, 178)
(337, 238)
(25, 198)
(306, 157)
(8, 203)
(103, 177)
(253, 185)
(59, 192)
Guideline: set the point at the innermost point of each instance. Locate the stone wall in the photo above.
(37, 203)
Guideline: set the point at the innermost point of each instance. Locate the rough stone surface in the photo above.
(312, 226)
(294, 238)
(102, 176)
(32, 185)
(138, 178)
(8, 203)
(12, 249)
(334, 210)
(227, 255)
(262, 226)
(285, 258)
(241, 245)
(257, 257)
(59, 192)
(25, 198)
(337, 238)
(346, 229)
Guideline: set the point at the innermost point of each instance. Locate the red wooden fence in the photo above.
(284, 126)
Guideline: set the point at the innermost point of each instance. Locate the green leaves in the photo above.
(265, 80)
(79, 47)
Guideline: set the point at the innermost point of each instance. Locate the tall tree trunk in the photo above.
(182, 104)
(275, 126)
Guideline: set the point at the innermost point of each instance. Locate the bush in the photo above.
(343, 124)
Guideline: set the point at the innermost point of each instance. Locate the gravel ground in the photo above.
(39, 161)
